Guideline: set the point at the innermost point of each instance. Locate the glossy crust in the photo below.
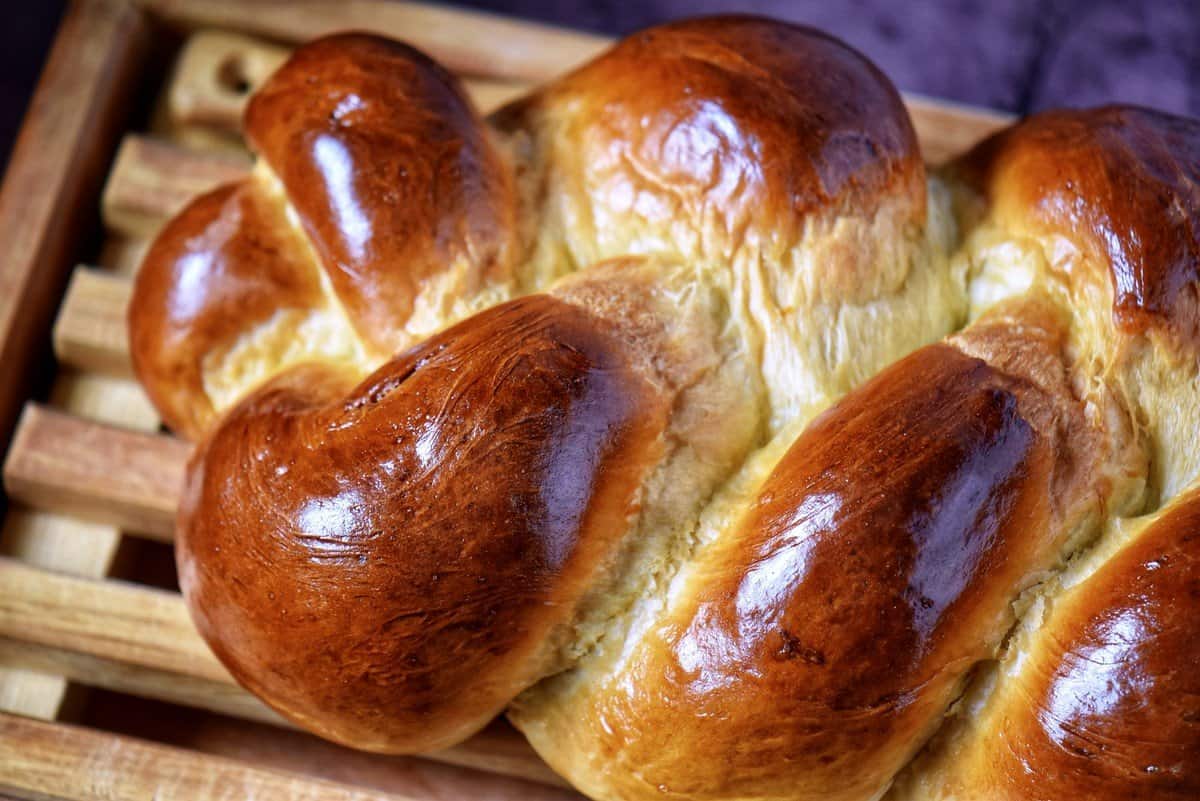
(740, 128)
(1114, 682)
(817, 643)
(1121, 182)
(1104, 701)
(561, 498)
(390, 172)
(669, 340)
(227, 262)
(389, 564)
(759, 142)
(1093, 698)
(378, 197)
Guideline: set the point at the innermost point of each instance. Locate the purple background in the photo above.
(1016, 55)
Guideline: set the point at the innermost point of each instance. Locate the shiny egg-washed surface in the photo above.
(730, 450)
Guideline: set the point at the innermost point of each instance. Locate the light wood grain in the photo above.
(946, 130)
(140, 640)
(31, 692)
(54, 172)
(90, 330)
(296, 752)
(111, 673)
(105, 618)
(152, 180)
(58, 541)
(53, 540)
(64, 463)
(107, 399)
(215, 74)
(52, 760)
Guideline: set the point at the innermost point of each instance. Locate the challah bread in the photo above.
(724, 447)
(703, 329)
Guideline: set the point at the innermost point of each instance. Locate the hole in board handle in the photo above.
(231, 75)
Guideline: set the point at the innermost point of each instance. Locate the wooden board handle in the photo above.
(217, 72)
(469, 42)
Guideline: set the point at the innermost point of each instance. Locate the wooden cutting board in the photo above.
(137, 111)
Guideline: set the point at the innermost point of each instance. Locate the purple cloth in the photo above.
(1015, 55)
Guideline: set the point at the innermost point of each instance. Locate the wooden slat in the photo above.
(214, 76)
(105, 399)
(110, 673)
(489, 94)
(113, 475)
(297, 752)
(52, 760)
(57, 541)
(946, 130)
(152, 179)
(90, 330)
(57, 165)
(60, 542)
(470, 42)
(109, 619)
(140, 640)
(31, 691)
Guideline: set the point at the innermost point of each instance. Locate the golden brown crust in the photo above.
(1122, 183)
(224, 264)
(388, 568)
(390, 563)
(751, 135)
(1115, 684)
(1104, 701)
(738, 130)
(390, 172)
(825, 635)
(831, 629)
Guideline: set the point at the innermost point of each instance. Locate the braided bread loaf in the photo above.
(731, 452)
